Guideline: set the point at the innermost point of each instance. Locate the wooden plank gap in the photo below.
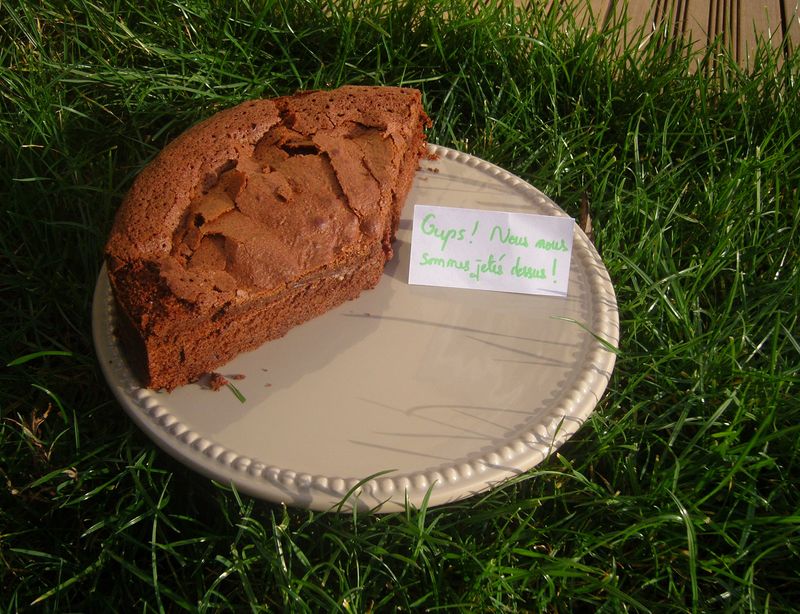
(607, 14)
(739, 42)
(791, 11)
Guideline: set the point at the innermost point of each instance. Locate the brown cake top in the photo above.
(267, 191)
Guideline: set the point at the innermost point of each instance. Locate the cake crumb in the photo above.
(237, 376)
(217, 381)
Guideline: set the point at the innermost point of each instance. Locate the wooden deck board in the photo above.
(736, 24)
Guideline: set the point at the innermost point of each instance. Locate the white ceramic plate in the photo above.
(406, 391)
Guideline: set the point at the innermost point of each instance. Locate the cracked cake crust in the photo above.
(258, 219)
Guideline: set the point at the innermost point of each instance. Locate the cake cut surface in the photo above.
(256, 220)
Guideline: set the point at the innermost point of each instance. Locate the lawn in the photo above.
(678, 494)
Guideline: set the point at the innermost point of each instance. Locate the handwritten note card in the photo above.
(490, 250)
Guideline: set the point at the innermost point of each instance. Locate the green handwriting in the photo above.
(429, 227)
(520, 270)
(552, 246)
(450, 263)
(491, 265)
(506, 237)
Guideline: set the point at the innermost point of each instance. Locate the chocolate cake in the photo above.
(256, 220)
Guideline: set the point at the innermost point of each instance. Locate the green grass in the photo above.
(679, 494)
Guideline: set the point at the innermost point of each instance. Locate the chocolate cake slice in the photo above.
(256, 220)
